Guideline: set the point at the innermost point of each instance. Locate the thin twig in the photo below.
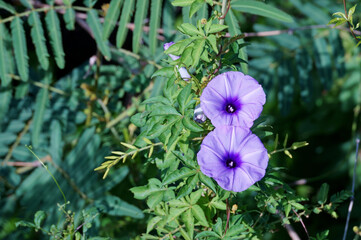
(350, 206)
(303, 225)
(17, 141)
(224, 11)
(348, 23)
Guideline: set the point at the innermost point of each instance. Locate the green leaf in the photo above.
(217, 28)
(207, 181)
(164, 72)
(94, 24)
(7, 7)
(189, 29)
(235, 230)
(262, 9)
(287, 209)
(218, 227)
(188, 220)
(196, 5)
(37, 35)
(157, 99)
(195, 196)
(178, 48)
(40, 105)
(155, 14)
(5, 78)
(152, 222)
(197, 50)
(25, 224)
(185, 159)
(191, 125)
(198, 213)
(5, 98)
(187, 188)
(26, 3)
(178, 174)
(20, 49)
(53, 26)
(164, 110)
(39, 218)
(127, 13)
(234, 30)
(111, 17)
(182, 3)
(154, 199)
(212, 40)
(69, 18)
(140, 14)
(207, 234)
(115, 206)
(175, 212)
(183, 97)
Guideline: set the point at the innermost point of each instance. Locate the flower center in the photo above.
(230, 108)
(231, 163)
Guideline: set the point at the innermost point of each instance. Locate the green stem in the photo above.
(46, 168)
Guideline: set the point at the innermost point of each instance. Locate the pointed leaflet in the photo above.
(37, 35)
(155, 14)
(124, 20)
(94, 24)
(140, 14)
(262, 9)
(234, 29)
(111, 18)
(20, 49)
(40, 105)
(5, 79)
(53, 26)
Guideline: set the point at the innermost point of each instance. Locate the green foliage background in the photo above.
(76, 116)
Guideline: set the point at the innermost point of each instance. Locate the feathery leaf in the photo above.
(7, 7)
(37, 35)
(69, 18)
(155, 13)
(94, 24)
(111, 17)
(20, 49)
(40, 105)
(124, 20)
(140, 14)
(5, 79)
(53, 26)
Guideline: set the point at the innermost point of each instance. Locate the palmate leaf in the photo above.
(262, 9)
(127, 13)
(53, 26)
(155, 14)
(37, 35)
(94, 24)
(111, 17)
(234, 29)
(140, 14)
(5, 79)
(40, 105)
(20, 49)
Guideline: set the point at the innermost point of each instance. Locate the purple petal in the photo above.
(234, 157)
(233, 98)
(182, 70)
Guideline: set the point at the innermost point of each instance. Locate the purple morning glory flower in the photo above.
(182, 70)
(234, 157)
(233, 98)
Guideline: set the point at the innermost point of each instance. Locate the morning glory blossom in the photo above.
(199, 116)
(234, 157)
(233, 98)
(182, 70)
